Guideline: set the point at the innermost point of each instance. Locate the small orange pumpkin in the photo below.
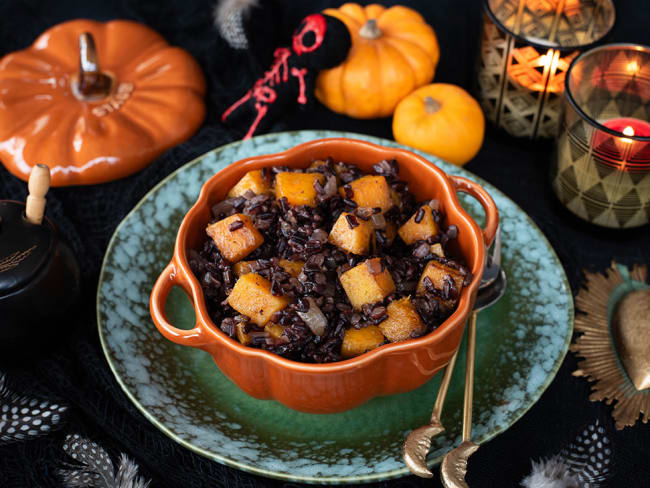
(393, 52)
(441, 119)
(92, 124)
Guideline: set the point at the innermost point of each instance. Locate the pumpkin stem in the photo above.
(370, 30)
(91, 84)
(431, 105)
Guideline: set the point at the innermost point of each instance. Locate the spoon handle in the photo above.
(469, 378)
(442, 391)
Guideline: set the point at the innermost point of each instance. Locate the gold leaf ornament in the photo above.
(615, 340)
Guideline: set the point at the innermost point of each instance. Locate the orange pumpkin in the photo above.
(95, 114)
(393, 52)
(440, 119)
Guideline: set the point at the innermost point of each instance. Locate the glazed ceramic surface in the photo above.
(333, 387)
(155, 102)
(520, 345)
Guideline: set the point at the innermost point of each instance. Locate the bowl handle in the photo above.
(168, 278)
(491, 213)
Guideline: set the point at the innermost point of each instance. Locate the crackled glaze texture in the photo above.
(520, 345)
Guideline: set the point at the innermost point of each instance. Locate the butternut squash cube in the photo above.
(413, 231)
(292, 267)
(235, 236)
(367, 283)
(242, 267)
(436, 272)
(321, 162)
(355, 237)
(251, 296)
(403, 321)
(297, 187)
(241, 335)
(437, 250)
(253, 181)
(370, 192)
(274, 330)
(358, 341)
(317, 163)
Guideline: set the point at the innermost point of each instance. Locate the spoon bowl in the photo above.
(417, 446)
(488, 296)
(454, 465)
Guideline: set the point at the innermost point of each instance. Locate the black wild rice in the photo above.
(237, 224)
(352, 221)
(419, 215)
(300, 233)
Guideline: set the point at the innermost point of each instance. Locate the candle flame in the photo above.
(554, 56)
(524, 69)
(546, 60)
(633, 66)
(628, 131)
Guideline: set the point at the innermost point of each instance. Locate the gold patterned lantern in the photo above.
(526, 49)
(601, 168)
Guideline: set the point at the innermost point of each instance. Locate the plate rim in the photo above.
(365, 478)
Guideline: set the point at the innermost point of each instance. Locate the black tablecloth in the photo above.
(77, 373)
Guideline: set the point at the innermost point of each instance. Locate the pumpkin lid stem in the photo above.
(92, 83)
(431, 105)
(370, 30)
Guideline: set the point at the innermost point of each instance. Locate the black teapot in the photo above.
(39, 274)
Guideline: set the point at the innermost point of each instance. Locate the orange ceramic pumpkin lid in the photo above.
(96, 101)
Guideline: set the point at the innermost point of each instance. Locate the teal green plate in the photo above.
(521, 343)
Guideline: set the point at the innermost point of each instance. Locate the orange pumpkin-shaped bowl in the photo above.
(332, 387)
(96, 111)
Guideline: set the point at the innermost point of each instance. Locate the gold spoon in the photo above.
(418, 442)
(454, 464)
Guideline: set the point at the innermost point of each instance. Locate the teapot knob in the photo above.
(39, 184)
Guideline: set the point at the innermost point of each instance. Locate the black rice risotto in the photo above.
(326, 263)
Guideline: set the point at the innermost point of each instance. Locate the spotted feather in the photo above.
(95, 468)
(22, 417)
(229, 19)
(589, 456)
(585, 463)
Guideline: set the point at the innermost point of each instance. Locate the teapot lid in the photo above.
(25, 248)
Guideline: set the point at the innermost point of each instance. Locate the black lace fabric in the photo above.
(75, 372)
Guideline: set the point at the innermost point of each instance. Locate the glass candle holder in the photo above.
(601, 170)
(526, 49)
